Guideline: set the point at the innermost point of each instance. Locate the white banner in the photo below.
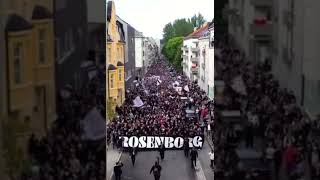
(156, 142)
(137, 102)
(94, 125)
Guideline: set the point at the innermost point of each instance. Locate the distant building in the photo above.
(139, 54)
(204, 59)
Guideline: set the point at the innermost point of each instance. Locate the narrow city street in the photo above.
(175, 166)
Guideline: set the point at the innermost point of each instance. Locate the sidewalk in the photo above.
(113, 155)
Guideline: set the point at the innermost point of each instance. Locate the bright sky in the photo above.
(150, 16)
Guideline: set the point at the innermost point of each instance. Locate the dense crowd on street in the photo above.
(272, 121)
(163, 111)
(63, 153)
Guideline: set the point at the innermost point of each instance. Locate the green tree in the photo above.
(168, 32)
(197, 20)
(182, 27)
(172, 51)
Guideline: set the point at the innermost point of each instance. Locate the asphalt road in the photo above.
(175, 166)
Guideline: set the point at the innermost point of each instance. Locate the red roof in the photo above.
(199, 32)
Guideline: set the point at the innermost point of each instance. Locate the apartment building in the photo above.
(129, 64)
(282, 32)
(191, 53)
(204, 61)
(27, 75)
(139, 54)
(115, 57)
(210, 65)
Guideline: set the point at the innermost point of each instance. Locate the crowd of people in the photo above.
(272, 121)
(63, 153)
(163, 112)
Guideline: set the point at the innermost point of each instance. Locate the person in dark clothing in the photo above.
(277, 162)
(133, 154)
(186, 148)
(249, 136)
(194, 156)
(156, 169)
(162, 150)
(117, 170)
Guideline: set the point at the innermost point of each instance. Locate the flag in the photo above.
(137, 102)
(186, 88)
(94, 125)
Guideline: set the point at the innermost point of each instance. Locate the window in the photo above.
(120, 75)
(111, 81)
(17, 58)
(42, 46)
(109, 55)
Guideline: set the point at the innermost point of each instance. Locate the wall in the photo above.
(71, 41)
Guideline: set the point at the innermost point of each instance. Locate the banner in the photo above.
(94, 125)
(137, 102)
(152, 142)
(186, 88)
(238, 85)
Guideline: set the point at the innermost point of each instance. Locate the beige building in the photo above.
(27, 103)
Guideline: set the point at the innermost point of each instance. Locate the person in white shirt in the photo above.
(211, 156)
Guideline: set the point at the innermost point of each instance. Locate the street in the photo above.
(175, 166)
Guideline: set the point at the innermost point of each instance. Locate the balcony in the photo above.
(261, 29)
(194, 59)
(184, 48)
(184, 56)
(260, 3)
(194, 70)
(196, 49)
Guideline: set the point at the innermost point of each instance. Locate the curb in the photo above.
(110, 177)
(209, 142)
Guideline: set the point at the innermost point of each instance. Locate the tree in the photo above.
(197, 20)
(182, 27)
(172, 51)
(168, 32)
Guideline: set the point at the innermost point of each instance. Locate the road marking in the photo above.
(199, 172)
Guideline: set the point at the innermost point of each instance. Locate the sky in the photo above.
(150, 16)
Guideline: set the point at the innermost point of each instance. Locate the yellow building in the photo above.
(115, 57)
(29, 73)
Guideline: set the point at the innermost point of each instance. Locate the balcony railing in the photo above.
(261, 29)
(194, 59)
(196, 49)
(184, 48)
(194, 70)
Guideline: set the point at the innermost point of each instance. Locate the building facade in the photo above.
(115, 57)
(28, 74)
(70, 19)
(139, 54)
(210, 65)
(204, 61)
(257, 27)
(191, 53)
(129, 65)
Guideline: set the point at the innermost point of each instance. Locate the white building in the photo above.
(140, 54)
(191, 53)
(284, 32)
(204, 61)
(210, 64)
